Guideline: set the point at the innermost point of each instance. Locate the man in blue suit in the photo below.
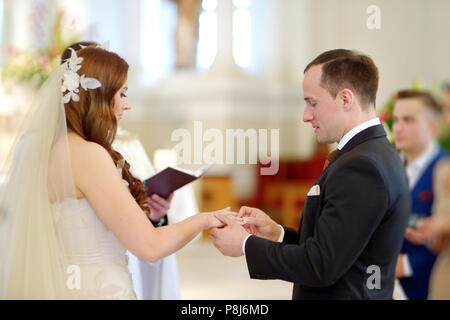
(415, 129)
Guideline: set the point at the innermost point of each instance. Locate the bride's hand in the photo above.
(213, 222)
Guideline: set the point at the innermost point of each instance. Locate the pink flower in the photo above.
(385, 115)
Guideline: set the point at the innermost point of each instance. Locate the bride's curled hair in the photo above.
(93, 118)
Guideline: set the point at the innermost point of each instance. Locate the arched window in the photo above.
(207, 38)
(242, 33)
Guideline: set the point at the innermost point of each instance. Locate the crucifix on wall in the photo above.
(186, 35)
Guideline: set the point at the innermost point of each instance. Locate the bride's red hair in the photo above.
(93, 118)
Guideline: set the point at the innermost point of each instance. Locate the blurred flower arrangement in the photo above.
(25, 71)
(444, 137)
(35, 65)
(387, 119)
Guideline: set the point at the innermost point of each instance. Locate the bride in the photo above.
(71, 207)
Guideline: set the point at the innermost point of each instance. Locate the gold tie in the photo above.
(330, 157)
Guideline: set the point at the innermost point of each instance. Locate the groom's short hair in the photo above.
(342, 68)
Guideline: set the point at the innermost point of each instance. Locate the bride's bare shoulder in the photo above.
(87, 152)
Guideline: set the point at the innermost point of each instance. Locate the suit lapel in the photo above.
(373, 132)
(367, 134)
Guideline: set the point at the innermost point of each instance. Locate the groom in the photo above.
(356, 213)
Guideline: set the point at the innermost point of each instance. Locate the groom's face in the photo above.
(321, 110)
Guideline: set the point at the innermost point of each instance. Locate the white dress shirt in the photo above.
(416, 168)
(353, 132)
(346, 138)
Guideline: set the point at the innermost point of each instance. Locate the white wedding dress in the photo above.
(100, 259)
(52, 245)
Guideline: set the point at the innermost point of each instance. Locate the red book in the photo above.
(170, 179)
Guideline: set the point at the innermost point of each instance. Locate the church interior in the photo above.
(219, 81)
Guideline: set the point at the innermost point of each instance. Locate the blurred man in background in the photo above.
(415, 129)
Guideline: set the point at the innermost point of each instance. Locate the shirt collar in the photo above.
(353, 132)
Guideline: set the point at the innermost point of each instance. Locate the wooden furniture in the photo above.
(217, 192)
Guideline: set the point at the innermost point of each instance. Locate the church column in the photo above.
(224, 63)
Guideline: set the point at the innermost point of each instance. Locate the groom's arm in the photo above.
(351, 212)
(287, 235)
(290, 235)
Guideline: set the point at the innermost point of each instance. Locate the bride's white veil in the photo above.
(33, 261)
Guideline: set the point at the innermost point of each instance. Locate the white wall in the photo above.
(411, 43)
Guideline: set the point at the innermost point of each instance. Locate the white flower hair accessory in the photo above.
(71, 81)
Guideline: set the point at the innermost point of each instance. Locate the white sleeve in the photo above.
(244, 242)
(280, 239)
(407, 270)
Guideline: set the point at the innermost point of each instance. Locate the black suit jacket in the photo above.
(357, 222)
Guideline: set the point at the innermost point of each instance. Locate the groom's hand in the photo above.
(258, 223)
(229, 239)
